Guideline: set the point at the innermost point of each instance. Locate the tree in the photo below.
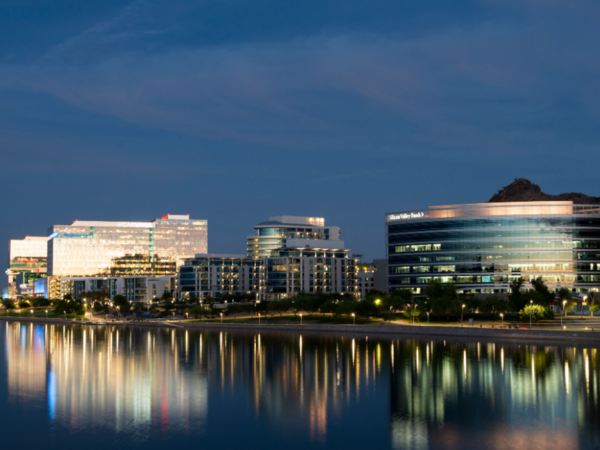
(537, 312)
(120, 300)
(564, 295)
(494, 304)
(197, 311)
(399, 299)
(594, 301)
(8, 304)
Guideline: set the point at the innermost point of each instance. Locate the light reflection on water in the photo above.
(142, 387)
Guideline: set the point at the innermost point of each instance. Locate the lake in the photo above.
(103, 387)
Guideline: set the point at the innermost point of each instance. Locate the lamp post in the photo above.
(530, 311)
(353, 318)
(186, 316)
(300, 319)
(119, 312)
(259, 318)
(584, 299)
(46, 314)
(461, 315)
(563, 313)
(427, 317)
(221, 318)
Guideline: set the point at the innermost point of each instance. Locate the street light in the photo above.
(186, 316)
(258, 318)
(221, 318)
(119, 312)
(46, 314)
(427, 317)
(300, 319)
(353, 318)
(461, 315)
(502, 316)
(530, 311)
(563, 313)
(584, 299)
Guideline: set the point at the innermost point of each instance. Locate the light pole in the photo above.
(46, 314)
(300, 319)
(427, 317)
(530, 311)
(353, 318)
(259, 318)
(461, 315)
(563, 313)
(413, 313)
(221, 318)
(584, 299)
(119, 312)
(502, 316)
(186, 316)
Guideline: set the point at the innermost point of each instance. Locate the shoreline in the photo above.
(438, 331)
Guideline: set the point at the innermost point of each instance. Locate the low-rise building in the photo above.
(135, 289)
(215, 275)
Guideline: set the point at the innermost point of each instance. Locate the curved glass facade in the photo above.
(483, 247)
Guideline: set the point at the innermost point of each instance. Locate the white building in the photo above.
(90, 248)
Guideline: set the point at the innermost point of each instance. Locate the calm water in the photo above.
(97, 388)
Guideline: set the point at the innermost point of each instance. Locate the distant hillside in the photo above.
(523, 190)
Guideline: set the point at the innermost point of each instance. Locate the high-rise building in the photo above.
(90, 248)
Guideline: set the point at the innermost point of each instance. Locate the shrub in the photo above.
(8, 304)
(23, 305)
(536, 313)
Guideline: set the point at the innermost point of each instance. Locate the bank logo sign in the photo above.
(136, 224)
(404, 216)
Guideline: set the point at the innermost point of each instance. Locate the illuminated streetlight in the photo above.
(427, 317)
(530, 311)
(300, 319)
(461, 315)
(563, 313)
(354, 318)
(502, 316)
(221, 318)
(186, 316)
(46, 314)
(259, 318)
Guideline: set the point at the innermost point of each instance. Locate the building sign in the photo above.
(405, 216)
(136, 224)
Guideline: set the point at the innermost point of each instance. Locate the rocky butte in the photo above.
(523, 190)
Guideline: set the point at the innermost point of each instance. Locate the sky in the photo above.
(235, 110)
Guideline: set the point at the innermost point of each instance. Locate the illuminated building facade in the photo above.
(142, 265)
(483, 247)
(134, 289)
(290, 271)
(215, 275)
(95, 248)
(292, 231)
(25, 256)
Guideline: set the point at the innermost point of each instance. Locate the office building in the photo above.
(88, 248)
(292, 232)
(215, 275)
(483, 247)
(365, 278)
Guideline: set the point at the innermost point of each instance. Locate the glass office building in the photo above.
(25, 256)
(483, 247)
(94, 248)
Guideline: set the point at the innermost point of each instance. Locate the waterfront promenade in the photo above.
(387, 329)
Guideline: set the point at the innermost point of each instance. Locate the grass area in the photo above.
(294, 319)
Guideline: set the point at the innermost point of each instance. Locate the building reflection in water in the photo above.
(435, 394)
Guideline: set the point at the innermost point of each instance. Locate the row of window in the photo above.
(492, 245)
(532, 234)
(496, 223)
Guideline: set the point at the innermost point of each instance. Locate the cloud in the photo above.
(498, 87)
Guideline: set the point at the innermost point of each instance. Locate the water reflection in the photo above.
(223, 389)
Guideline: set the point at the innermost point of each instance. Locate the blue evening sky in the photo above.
(234, 110)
